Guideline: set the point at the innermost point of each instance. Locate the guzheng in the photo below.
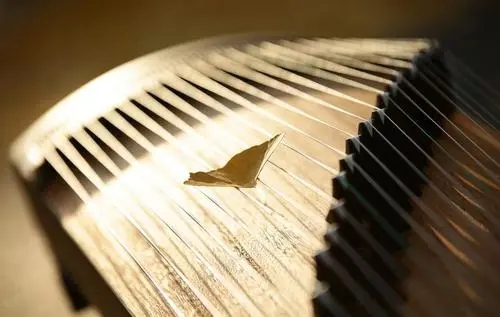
(381, 200)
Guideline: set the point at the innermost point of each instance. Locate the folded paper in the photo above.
(242, 170)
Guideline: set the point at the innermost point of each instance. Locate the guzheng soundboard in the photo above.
(381, 199)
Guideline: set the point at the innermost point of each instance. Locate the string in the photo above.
(217, 88)
(328, 65)
(224, 63)
(151, 104)
(394, 56)
(136, 225)
(477, 104)
(429, 240)
(391, 297)
(124, 288)
(249, 58)
(489, 172)
(364, 298)
(328, 301)
(468, 153)
(459, 270)
(188, 72)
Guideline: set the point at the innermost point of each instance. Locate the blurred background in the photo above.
(49, 48)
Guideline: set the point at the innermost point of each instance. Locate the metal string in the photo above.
(435, 219)
(288, 62)
(202, 80)
(420, 232)
(488, 171)
(249, 59)
(455, 140)
(210, 71)
(468, 153)
(446, 174)
(123, 286)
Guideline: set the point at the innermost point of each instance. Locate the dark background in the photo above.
(49, 48)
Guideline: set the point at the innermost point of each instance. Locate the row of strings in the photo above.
(273, 65)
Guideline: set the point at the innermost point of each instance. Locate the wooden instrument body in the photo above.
(141, 243)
